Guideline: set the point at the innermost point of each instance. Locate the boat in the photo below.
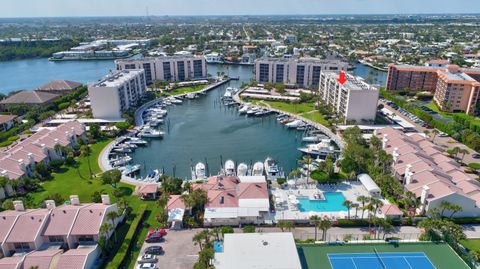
(121, 161)
(137, 141)
(313, 138)
(294, 124)
(229, 103)
(262, 112)
(323, 148)
(229, 168)
(257, 169)
(199, 172)
(191, 95)
(121, 149)
(252, 111)
(242, 169)
(149, 132)
(271, 168)
(153, 176)
(302, 126)
(130, 169)
(243, 109)
(176, 101)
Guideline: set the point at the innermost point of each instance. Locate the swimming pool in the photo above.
(332, 203)
(218, 246)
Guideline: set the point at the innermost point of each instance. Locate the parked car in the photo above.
(154, 238)
(147, 258)
(154, 250)
(442, 134)
(476, 156)
(162, 232)
(147, 266)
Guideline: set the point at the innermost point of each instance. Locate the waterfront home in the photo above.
(423, 169)
(176, 210)
(27, 233)
(257, 250)
(7, 122)
(233, 200)
(19, 160)
(60, 87)
(36, 98)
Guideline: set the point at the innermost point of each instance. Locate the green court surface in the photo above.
(440, 255)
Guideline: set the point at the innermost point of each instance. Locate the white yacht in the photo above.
(245, 108)
(121, 149)
(121, 161)
(199, 172)
(294, 124)
(130, 169)
(242, 169)
(319, 149)
(313, 138)
(176, 101)
(257, 169)
(191, 95)
(138, 141)
(252, 111)
(271, 168)
(153, 176)
(149, 132)
(229, 168)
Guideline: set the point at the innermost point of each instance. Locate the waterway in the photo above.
(198, 130)
(29, 74)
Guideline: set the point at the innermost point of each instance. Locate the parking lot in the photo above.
(179, 250)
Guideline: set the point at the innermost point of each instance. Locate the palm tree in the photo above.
(315, 221)
(348, 204)
(435, 132)
(444, 205)
(377, 203)
(356, 206)
(455, 208)
(112, 215)
(105, 229)
(324, 225)
(307, 160)
(463, 152)
(363, 200)
(198, 239)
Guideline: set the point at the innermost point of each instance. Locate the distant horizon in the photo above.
(241, 15)
(160, 8)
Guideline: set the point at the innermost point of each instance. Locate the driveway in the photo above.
(180, 252)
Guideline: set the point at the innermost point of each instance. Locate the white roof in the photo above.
(260, 204)
(252, 179)
(259, 251)
(368, 183)
(232, 212)
(176, 214)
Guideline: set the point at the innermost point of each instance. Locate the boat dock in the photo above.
(139, 112)
(335, 138)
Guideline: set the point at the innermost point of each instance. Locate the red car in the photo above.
(161, 232)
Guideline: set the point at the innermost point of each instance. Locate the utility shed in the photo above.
(369, 184)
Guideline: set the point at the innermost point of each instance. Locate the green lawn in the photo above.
(307, 110)
(187, 89)
(441, 255)
(471, 244)
(74, 180)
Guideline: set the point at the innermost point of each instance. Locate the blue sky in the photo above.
(53, 8)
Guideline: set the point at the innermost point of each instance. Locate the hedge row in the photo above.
(128, 241)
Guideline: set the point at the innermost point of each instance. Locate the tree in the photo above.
(285, 225)
(315, 221)
(363, 200)
(96, 197)
(227, 230)
(435, 132)
(249, 229)
(455, 208)
(348, 204)
(112, 216)
(356, 206)
(105, 229)
(307, 160)
(57, 198)
(324, 225)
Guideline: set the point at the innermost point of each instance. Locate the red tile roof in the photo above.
(44, 259)
(28, 226)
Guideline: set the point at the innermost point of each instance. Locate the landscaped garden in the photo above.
(306, 110)
(186, 89)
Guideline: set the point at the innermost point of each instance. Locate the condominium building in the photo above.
(168, 68)
(117, 93)
(455, 89)
(353, 100)
(304, 72)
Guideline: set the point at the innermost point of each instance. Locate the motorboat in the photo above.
(302, 126)
(150, 132)
(130, 169)
(229, 103)
(153, 176)
(271, 168)
(252, 111)
(257, 169)
(121, 161)
(199, 172)
(319, 149)
(262, 112)
(294, 124)
(176, 101)
(244, 108)
(191, 95)
(313, 138)
(137, 141)
(120, 149)
(242, 169)
(229, 168)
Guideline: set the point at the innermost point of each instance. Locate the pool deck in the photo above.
(286, 210)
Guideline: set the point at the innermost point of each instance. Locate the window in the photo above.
(279, 74)
(197, 69)
(300, 75)
(148, 72)
(264, 73)
(181, 71)
(167, 74)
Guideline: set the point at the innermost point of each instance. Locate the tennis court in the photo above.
(384, 260)
(422, 255)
